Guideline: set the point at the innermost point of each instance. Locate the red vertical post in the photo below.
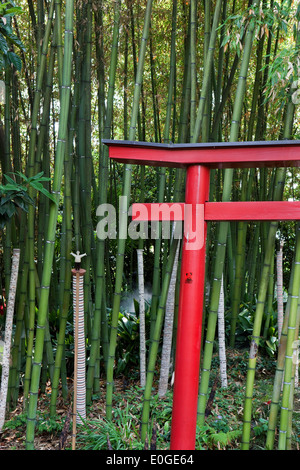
(188, 343)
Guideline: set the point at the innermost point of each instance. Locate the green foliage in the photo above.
(100, 434)
(123, 431)
(44, 424)
(244, 330)
(7, 37)
(261, 428)
(14, 196)
(284, 67)
(127, 352)
(266, 18)
(128, 342)
(206, 436)
(19, 421)
(222, 428)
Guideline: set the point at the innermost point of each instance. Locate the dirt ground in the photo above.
(14, 438)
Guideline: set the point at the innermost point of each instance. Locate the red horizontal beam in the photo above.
(158, 211)
(252, 210)
(221, 211)
(214, 155)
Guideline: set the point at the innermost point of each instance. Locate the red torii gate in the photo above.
(198, 159)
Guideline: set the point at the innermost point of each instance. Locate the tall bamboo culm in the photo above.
(263, 286)
(49, 245)
(223, 231)
(124, 204)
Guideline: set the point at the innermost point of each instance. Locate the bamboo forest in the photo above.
(89, 323)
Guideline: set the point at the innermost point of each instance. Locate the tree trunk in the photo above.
(279, 290)
(221, 334)
(168, 331)
(142, 318)
(8, 334)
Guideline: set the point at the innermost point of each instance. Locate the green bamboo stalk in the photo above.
(84, 146)
(216, 131)
(75, 171)
(227, 88)
(193, 35)
(31, 322)
(41, 146)
(242, 226)
(124, 210)
(222, 232)
(156, 118)
(185, 99)
(31, 210)
(103, 173)
(207, 71)
(262, 105)
(256, 336)
(269, 253)
(270, 296)
(7, 167)
(58, 38)
(48, 362)
(40, 30)
(156, 270)
(156, 280)
(272, 421)
(49, 250)
(205, 125)
(65, 302)
(295, 346)
(103, 182)
(283, 338)
(239, 264)
(172, 75)
(278, 379)
(125, 84)
(252, 261)
(289, 357)
(256, 89)
(15, 141)
(134, 54)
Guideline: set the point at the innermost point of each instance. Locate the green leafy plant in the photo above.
(127, 347)
(44, 424)
(104, 434)
(127, 352)
(7, 37)
(14, 196)
(261, 427)
(245, 328)
(208, 437)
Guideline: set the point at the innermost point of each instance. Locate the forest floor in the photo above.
(48, 436)
(224, 416)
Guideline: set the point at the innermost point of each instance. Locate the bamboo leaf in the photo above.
(3, 44)
(37, 177)
(11, 37)
(8, 178)
(15, 60)
(13, 10)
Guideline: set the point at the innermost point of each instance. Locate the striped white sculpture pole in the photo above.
(79, 401)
